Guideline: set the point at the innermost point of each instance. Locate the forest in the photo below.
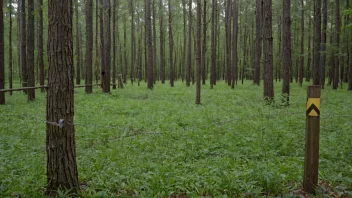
(175, 98)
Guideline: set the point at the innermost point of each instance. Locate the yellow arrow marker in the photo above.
(313, 107)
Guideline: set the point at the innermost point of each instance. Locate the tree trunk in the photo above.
(337, 41)
(235, 39)
(204, 46)
(102, 43)
(199, 51)
(78, 46)
(149, 46)
(41, 47)
(107, 47)
(155, 63)
(323, 43)
(97, 59)
(309, 50)
(213, 44)
(114, 26)
(60, 141)
(30, 51)
(258, 40)
(2, 66)
(268, 51)
(23, 44)
(301, 69)
(89, 45)
(228, 9)
(162, 45)
(286, 49)
(133, 42)
(189, 52)
(10, 46)
(317, 42)
(125, 52)
(171, 47)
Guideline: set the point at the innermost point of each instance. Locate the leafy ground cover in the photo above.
(140, 143)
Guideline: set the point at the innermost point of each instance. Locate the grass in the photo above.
(140, 143)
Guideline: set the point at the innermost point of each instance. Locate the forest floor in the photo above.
(140, 143)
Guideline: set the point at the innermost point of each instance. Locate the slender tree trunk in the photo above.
(30, 50)
(323, 43)
(41, 47)
(155, 63)
(97, 58)
(107, 47)
(317, 42)
(133, 42)
(337, 41)
(189, 52)
(199, 51)
(258, 40)
(309, 50)
(23, 44)
(162, 45)
(213, 44)
(10, 45)
(268, 51)
(228, 8)
(171, 46)
(183, 62)
(2, 63)
(102, 43)
(150, 51)
(125, 52)
(114, 27)
(204, 46)
(286, 50)
(235, 39)
(78, 46)
(89, 45)
(301, 69)
(60, 141)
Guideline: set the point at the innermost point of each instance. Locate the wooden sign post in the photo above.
(311, 157)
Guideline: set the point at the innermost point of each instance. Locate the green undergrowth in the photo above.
(136, 142)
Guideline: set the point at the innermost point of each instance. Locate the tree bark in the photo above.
(337, 41)
(323, 42)
(41, 47)
(30, 50)
(78, 46)
(199, 51)
(317, 42)
(301, 67)
(235, 39)
(107, 48)
(213, 44)
(89, 46)
(258, 40)
(2, 66)
(10, 46)
(23, 44)
(228, 47)
(114, 26)
(97, 58)
(189, 52)
(286, 49)
(133, 42)
(60, 141)
(162, 45)
(150, 72)
(268, 51)
(171, 47)
(309, 61)
(204, 46)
